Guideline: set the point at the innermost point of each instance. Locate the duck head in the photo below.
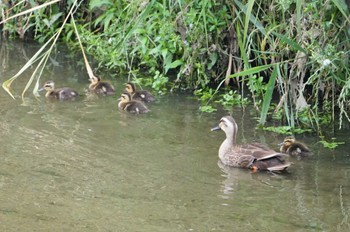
(229, 126)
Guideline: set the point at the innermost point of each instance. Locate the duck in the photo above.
(140, 95)
(101, 88)
(63, 93)
(131, 106)
(254, 156)
(294, 148)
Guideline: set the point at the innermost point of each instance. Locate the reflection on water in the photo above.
(85, 166)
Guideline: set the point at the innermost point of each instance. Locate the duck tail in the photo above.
(279, 168)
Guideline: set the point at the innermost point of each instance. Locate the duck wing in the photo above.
(259, 151)
(264, 157)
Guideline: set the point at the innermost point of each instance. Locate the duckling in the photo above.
(294, 148)
(140, 95)
(131, 106)
(255, 156)
(64, 93)
(101, 87)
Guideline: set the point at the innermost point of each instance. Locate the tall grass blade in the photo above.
(298, 20)
(247, 19)
(40, 65)
(290, 42)
(47, 53)
(284, 95)
(251, 71)
(204, 4)
(134, 24)
(252, 18)
(242, 47)
(268, 96)
(341, 5)
(87, 65)
(30, 10)
(7, 84)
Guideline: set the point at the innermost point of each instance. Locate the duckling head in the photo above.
(287, 142)
(48, 86)
(123, 100)
(94, 79)
(130, 87)
(125, 97)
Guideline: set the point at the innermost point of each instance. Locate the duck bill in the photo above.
(41, 89)
(280, 144)
(215, 128)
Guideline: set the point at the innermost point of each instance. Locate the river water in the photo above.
(86, 166)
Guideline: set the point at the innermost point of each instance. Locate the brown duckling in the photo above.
(140, 95)
(253, 156)
(131, 106)
(63, 93)
(294, 148)
(101, 88)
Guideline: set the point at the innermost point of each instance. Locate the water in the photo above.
(85, 166)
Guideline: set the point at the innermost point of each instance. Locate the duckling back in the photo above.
(136, 107)
(294, 148)
(65, 93)
(143, 95)
(103, 89)
(131, 106)
(139, 95)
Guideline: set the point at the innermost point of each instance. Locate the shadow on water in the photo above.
(85, 166)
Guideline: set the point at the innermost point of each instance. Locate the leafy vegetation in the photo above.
(282, 53)
(330, 145)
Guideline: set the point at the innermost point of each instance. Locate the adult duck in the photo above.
(101, 88)
(253, 156)
(131, 106)
(140, 95)
(294, 148)
(63, 93)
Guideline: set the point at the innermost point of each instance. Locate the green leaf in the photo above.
(99, 3)
(290, 42)
(107, 20)
(46, 21)
(164, 53)
(250, 71)
(213, 58)
(207, 109)
(174, 64)
(54, 18)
